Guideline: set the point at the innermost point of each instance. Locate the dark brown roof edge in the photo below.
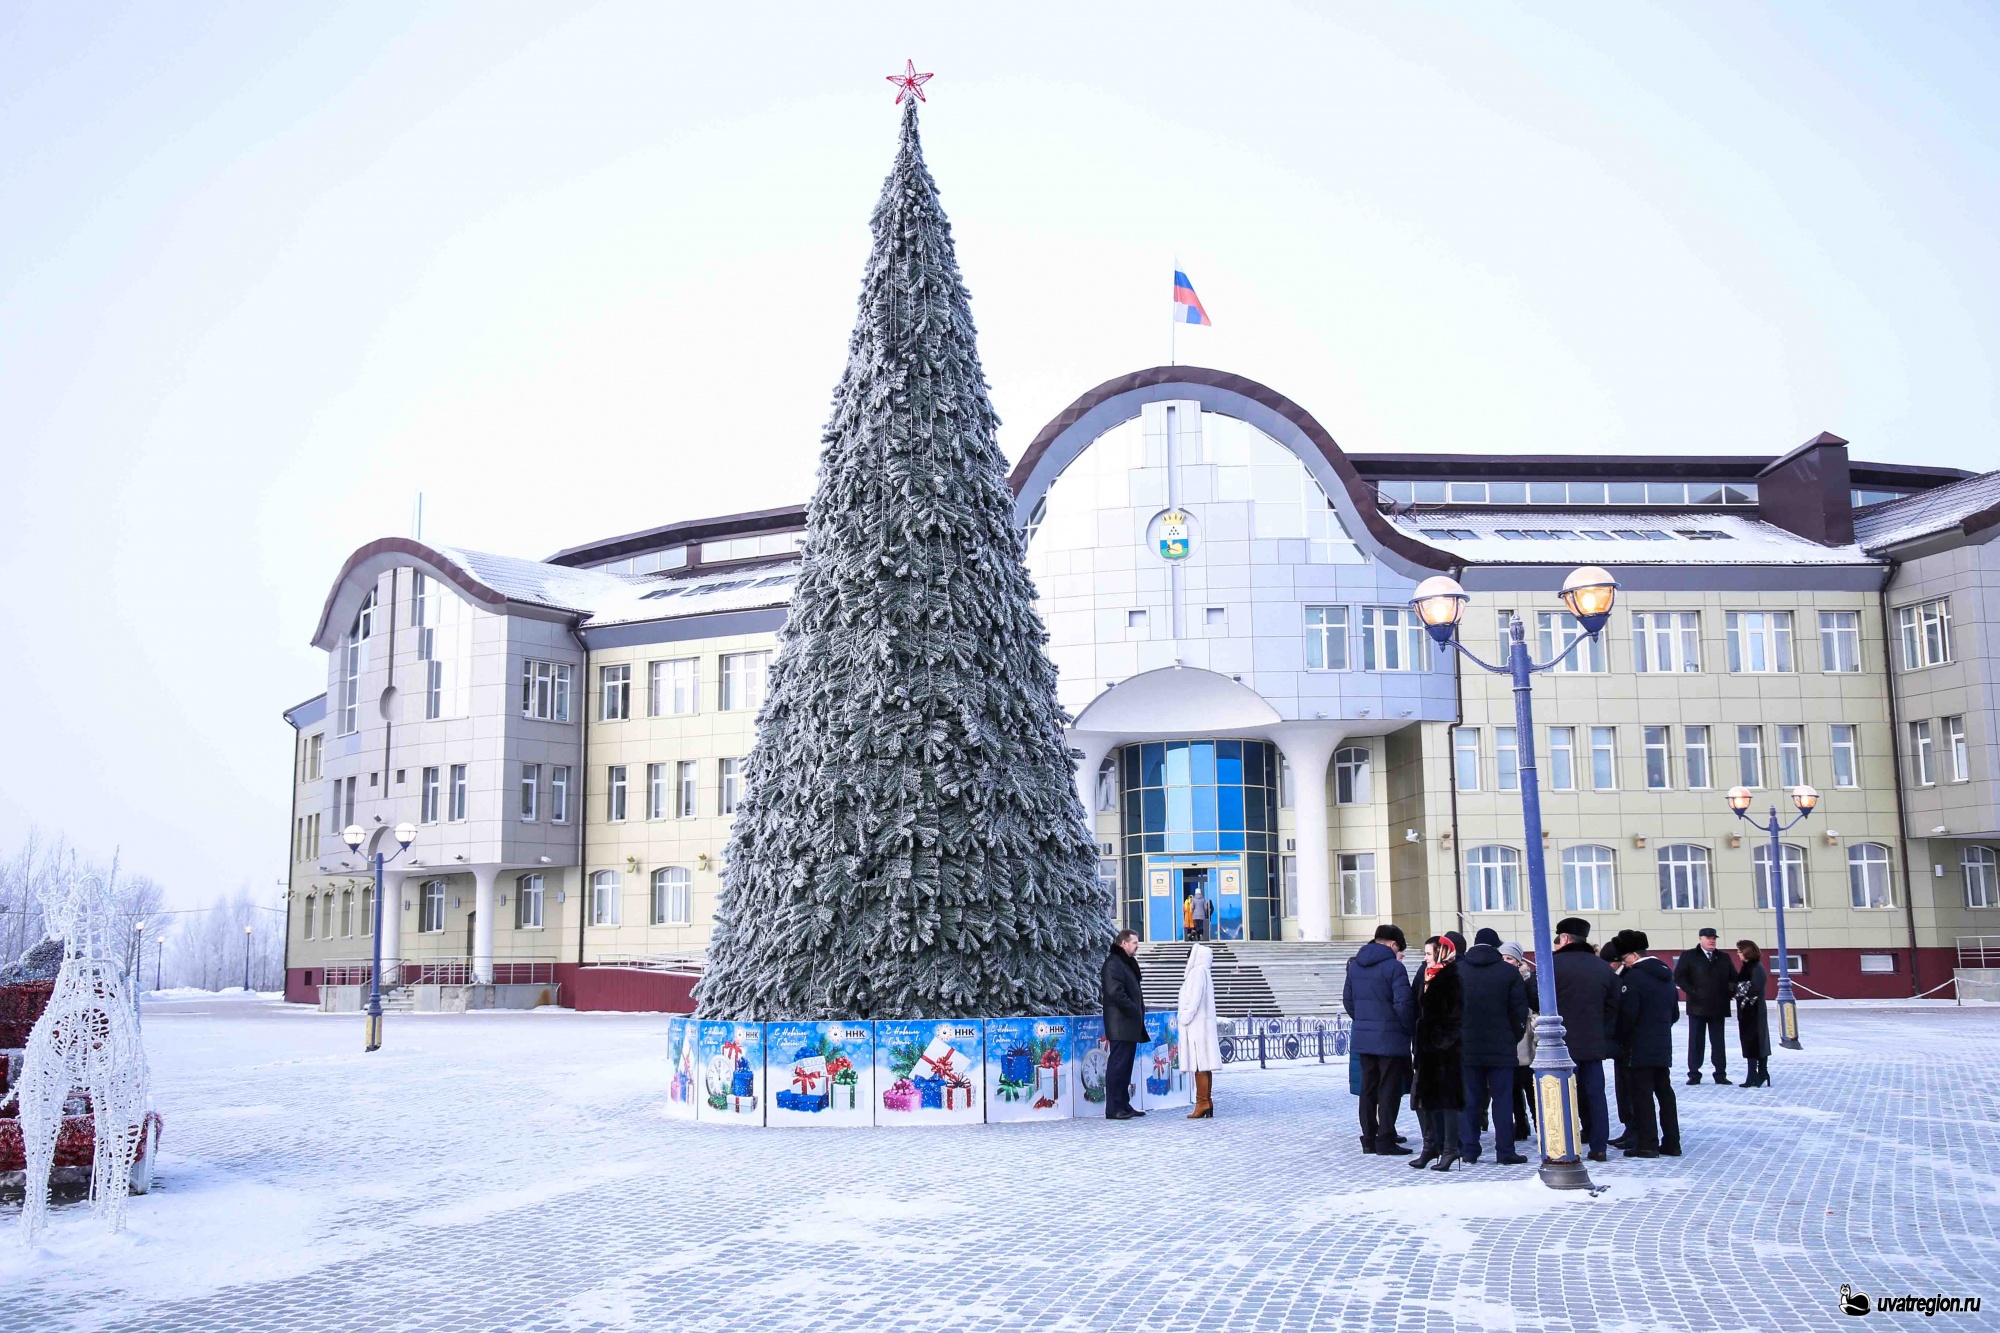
(1358, 490)
(781, 519)
(462, 578)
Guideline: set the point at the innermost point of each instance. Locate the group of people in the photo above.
(1460, 1042)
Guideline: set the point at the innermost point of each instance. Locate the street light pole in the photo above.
(246, 958)
(1589, 593)
(354, 835)
(1805, 798)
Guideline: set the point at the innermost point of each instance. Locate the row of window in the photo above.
(1924, 746)
(1668, 760)
(670, 902)
(1493, 878)
(1570, 493)
(673, 791)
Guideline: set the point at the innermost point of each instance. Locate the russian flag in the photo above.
(1187, 306)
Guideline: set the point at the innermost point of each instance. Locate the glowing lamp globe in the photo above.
(1739, 799)
(406, 833)
(1588, 592)
(353, 835)
(1439, 602)
(1805, 798)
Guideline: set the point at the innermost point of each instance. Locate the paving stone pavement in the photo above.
(516, 1172)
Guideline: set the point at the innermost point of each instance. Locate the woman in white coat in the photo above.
(1201, 1052)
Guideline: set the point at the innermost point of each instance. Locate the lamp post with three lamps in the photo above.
(1775, 879)
(354, 835)
(1588, 593)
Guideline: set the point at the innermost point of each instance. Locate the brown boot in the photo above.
(1204, 1109)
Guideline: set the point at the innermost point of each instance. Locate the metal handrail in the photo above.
(441, 972)
(687, 960)
(1978, 951)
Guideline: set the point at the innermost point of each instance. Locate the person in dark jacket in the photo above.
(1753, 1021)
(1647, 1012)
(1437, 1091)
(1587, 999)
(1124, 1024)
(1616, 962)
(1377, 997)
(1496, 1018)
(1708, 978)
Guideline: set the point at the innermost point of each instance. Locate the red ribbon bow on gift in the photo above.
(941, 1066)
(732, 1050)
(807, 1081)
(1051, 1059)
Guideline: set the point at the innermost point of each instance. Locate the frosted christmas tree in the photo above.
(912, 844)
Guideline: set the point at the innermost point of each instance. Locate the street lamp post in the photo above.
(354, 835)
(1588, 593)
(1805, 798)
(246, 958)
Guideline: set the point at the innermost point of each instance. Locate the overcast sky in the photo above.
(267, 270)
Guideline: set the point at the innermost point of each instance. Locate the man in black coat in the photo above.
(1587, 999)
(1647, 1012)
(1495, 1020)
(1709, 979)
(1377, 997)
(1124, 1024)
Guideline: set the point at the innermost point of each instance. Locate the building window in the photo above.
(368, 912)
(673, 688)
(1556, 631)
(1878, 962)
(1759, 640)
(1288, 886)
(1350, 775)
(350, 680)
(1465, 757)
(1357, 883)
(1666, 641)
(1135, 619)
(457, 793)
(656, 791)
(1392, 639)
(1750, 756)
(1956, 756)
(614, 693)
(605, 889)
(731, 774)
(614, 793)
(545, 690)
(1923, 754)
(1844, 772)
(528, 902)
(559, 793)
(1659, 763)
(345, 788)
(326, 917)
(431, 792)
(1839, 641)
(347, 912)
(1494, 875)
(1506, 759)
(743, 676)
(1868, 884)
(671, 905)
(531, 791)
(1925, 633)
(1695, 756)
(1326, 638)
(315, 756)
(1284, 782)
(433, 686)
(1982, 877)
(430, 907)
(312, 905)
(1107, 785)
(1588, 879)
(1604, 758)
(686, 780)
(1562, 758)
(1684, 878)
(1791, 756)
(1794, 876)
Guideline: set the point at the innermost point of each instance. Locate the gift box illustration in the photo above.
(1048, 1079)
(811, 1087)
(1160, 1078)
(843, 1080)
(900, 1096)
(943, 1077)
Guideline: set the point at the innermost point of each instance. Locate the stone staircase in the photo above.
(1256, 978)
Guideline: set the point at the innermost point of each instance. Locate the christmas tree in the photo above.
(911, 844)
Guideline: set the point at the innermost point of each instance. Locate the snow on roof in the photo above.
(1491, 536)
(1926, 513)
(556, 586)
(654, 598)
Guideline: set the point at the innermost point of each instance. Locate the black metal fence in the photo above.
(1267, 1039)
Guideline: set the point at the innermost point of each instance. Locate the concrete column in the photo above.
(391, 908)
(1095, 748)
(1307, 752)
(484, 878)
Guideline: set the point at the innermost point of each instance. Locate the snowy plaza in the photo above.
(518, 1171)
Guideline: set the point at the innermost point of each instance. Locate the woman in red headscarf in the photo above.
(1438, 1093)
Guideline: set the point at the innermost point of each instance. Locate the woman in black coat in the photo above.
(1753, 1020)
(1437, 1092)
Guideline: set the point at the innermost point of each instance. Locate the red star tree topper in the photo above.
(909, 81)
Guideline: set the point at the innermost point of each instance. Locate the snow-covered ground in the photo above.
(516, 1171)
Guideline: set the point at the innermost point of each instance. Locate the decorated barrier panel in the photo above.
(730, 1061)
(1030, 1069)
(820, 1074)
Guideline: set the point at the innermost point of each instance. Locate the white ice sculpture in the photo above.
(87, 1038)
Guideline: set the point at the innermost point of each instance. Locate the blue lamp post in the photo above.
(1805, 798)
(1588, 593)
(354, 835)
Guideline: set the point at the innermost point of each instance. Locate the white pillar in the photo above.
(484, 878)
(1307, 752)
(391, 908)
(1094, 747)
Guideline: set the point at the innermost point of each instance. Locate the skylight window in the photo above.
(1598, 535)
(656, 595)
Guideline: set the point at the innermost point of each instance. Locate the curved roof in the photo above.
(1119, 400)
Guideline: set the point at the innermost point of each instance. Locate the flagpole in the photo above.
(1173, 325)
